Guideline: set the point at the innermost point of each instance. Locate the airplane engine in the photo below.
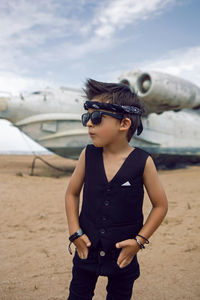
(161, 92)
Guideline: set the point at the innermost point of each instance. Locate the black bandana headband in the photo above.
(123, 109)
(113, 107)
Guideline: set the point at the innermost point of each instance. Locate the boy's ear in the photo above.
(125, 124)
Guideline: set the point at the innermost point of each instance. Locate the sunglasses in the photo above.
(96, 117)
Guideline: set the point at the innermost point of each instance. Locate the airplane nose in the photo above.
(3, 104)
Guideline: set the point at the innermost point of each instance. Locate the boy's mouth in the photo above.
(91, 134)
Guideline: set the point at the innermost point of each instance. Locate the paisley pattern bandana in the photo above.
(113, 107)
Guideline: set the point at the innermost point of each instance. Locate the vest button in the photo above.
(104, 219)
(106, 202)
(108, 190)
(102, 253)
(102, 231)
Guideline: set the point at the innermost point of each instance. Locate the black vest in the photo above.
(112, 211)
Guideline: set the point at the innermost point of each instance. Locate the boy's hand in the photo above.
(129, 249)
(82, 243)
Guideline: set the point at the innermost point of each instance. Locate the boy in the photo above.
(109, 231)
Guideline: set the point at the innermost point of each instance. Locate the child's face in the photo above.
(106, 132)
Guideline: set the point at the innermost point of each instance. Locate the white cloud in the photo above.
(184, 63)
(117, 14)
(22, 17)
(31, 28)
(15, 84)
(49, 30)
(38, 37)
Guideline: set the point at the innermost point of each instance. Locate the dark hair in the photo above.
(115, 93)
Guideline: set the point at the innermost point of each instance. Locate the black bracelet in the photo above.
(69, 248)
(73, 237)
(146, 240)
(76, 235)
(139, 243)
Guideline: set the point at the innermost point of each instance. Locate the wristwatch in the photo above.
(75, 235)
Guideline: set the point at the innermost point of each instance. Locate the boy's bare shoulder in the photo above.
(150, 162)
(150, 170)
(82, 155)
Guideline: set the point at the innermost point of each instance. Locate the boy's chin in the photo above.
(98, 145)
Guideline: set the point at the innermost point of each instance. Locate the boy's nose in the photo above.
(89, 123)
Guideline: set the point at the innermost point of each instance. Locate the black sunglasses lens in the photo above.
(96, 117)
(85, 118)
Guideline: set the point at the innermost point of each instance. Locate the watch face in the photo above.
(80, 232)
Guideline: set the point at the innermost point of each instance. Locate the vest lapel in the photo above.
(120, 169)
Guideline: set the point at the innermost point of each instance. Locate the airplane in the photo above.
(52, 117)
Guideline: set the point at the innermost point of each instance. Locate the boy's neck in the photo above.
(118, 148)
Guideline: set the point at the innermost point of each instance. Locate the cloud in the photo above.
(119, 13)
(184, 63)
(31, 28)
(49, 30)
(39, 38)
(24, 17)
(15, 84)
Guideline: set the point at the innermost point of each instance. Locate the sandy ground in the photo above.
(34, 261)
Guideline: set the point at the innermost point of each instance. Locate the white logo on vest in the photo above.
(126, 184)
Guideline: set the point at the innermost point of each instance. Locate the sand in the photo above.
(35, 263)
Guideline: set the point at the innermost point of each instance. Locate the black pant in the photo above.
(99, 263)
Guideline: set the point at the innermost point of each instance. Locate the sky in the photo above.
(62, 42)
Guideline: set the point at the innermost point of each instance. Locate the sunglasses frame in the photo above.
(101, 113)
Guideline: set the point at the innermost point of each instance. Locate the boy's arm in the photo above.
(72, 205)
(159, 209)
(157, 197)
